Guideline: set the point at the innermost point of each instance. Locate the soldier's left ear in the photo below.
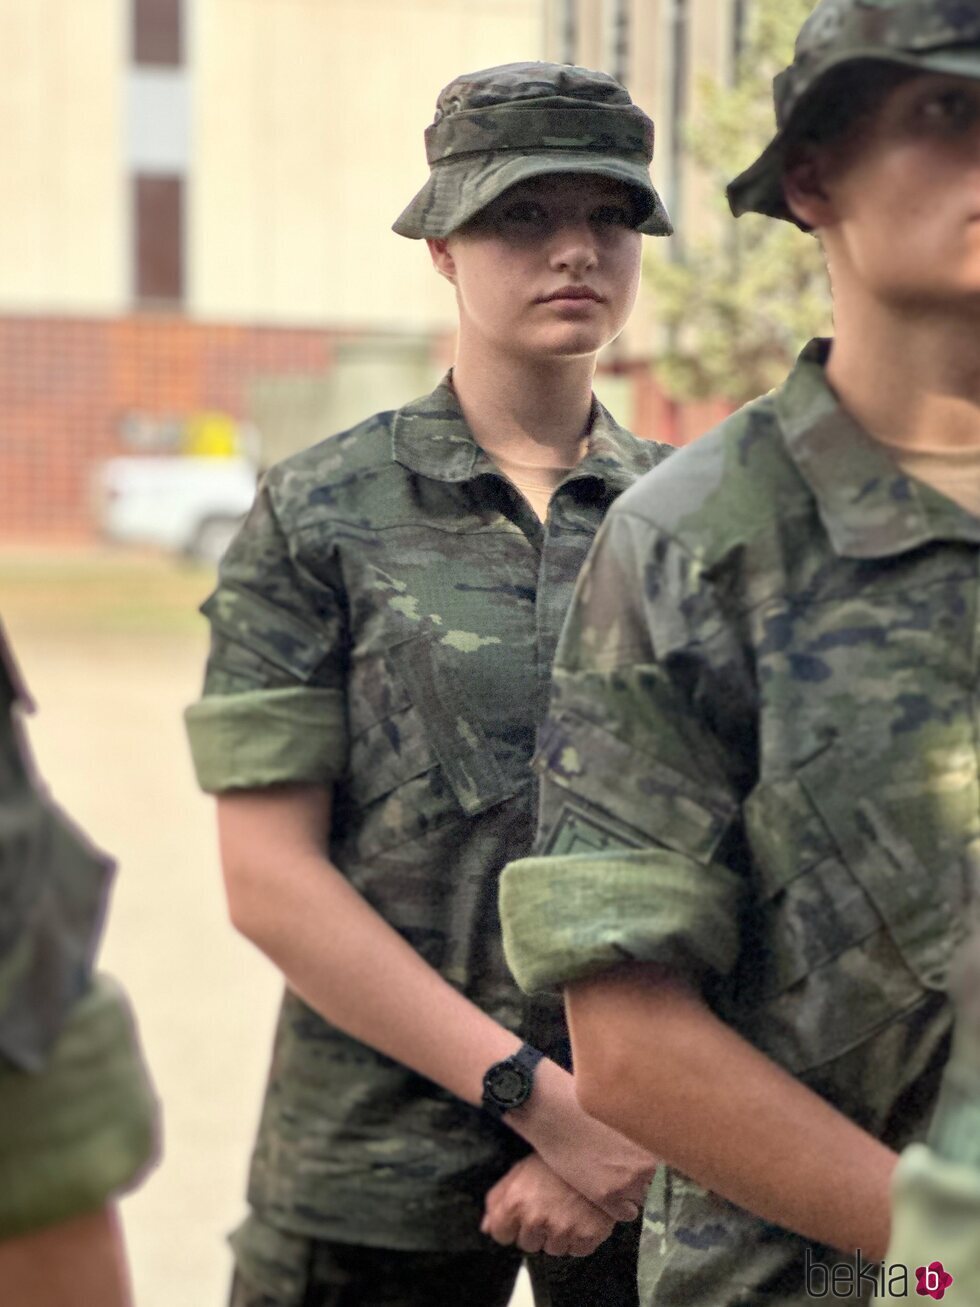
(804, 187)
(442, 260)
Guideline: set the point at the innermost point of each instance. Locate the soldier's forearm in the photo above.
(337, 952)
(655, 1063)
(353, 968)
(76, 1263)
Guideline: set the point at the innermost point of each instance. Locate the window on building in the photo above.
(158, 33)
(158, 211)
(617, 42)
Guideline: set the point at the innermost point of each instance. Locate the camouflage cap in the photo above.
(500, 126)
(941, 36)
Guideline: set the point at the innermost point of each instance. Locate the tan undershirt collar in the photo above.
(954, 473)
(537, 484)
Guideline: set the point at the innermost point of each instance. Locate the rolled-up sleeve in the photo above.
(641, 768)
(82, 1128)
(273, 709)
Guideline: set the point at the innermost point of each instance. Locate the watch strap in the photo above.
(527, 1058)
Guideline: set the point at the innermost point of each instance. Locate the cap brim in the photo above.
(459, 188)
(759, 189)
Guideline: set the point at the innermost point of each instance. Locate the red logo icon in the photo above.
(934, 1280)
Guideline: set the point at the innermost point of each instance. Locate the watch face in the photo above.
(508, 1085)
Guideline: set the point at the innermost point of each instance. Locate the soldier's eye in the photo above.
(613, 215)
(525, 212)
(957, 109)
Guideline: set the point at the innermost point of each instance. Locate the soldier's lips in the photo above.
(571, 294)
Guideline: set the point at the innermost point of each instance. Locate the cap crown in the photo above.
(498, 127)
(839, 30)
(528, 81)
(536, 106)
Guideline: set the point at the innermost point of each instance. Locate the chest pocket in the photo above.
(879, 834)
(855, 927)
(425, 750)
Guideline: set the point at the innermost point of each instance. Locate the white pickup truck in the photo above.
(185, 504)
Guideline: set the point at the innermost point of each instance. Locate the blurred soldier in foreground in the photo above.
(77, 1113)
(936, 1216)
(760, 770)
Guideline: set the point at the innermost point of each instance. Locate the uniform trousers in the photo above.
(349, 1275)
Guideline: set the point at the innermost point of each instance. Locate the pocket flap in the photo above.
(464, 753)
(913, 901)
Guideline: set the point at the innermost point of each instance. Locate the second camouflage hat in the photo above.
(501, 126)
(938, 36)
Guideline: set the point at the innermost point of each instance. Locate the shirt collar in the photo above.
(430, 437)
(868, 506)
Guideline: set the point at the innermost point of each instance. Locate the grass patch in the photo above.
(101, 592)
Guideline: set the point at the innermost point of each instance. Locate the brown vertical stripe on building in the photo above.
(157, 33)
(159, 244)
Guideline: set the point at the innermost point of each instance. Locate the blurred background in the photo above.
(197, 277)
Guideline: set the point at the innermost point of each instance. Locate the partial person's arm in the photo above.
(353, 968)
(77, 1263)
(647, 756)
(654, 1062)
(78, 1117)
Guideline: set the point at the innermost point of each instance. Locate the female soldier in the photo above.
(382, 635)
(765, 707)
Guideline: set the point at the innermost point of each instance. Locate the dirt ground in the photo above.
(112, 651)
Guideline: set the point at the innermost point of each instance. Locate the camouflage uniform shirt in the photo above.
(760, 770)
(53, 888)
(78, 1116)
(385, 623)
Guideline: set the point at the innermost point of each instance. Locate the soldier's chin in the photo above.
(574, 340)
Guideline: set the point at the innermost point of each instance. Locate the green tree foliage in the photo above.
(737, 306)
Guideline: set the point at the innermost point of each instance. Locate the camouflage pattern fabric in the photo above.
(955, 1130)
(53, 887)
(84, 1128)
(276, 1269)
(936, 1220)
(77, 1112)
(760, 770)
(936, 1194)
(385, 623)
(501, 126)
(940, 36)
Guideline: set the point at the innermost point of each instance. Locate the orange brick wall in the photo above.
(66, 384)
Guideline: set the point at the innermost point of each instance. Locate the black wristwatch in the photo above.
(507, 1084)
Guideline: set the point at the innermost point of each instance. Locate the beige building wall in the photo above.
(62, 210)
(307, 126)
(306, 141)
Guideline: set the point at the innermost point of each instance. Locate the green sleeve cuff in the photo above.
(84, 1128)
(936, 1217)
(572, 916)
(268, 737)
